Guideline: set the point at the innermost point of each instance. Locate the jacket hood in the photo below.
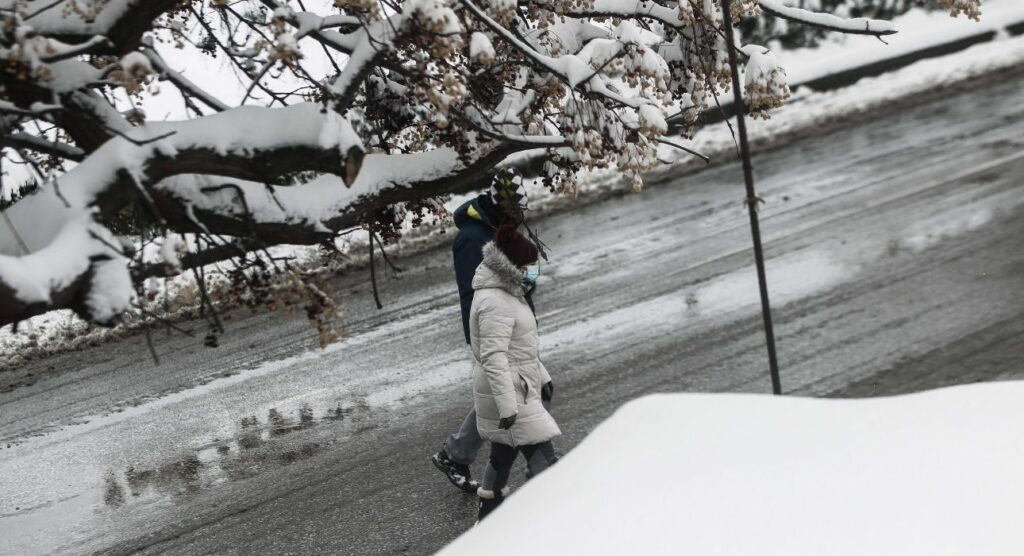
(472, 211)
(496, 271)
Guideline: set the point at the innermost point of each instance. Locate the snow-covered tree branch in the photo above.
(858, 26)
(325, 115)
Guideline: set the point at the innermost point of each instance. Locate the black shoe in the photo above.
(488, 501)
(457, 473)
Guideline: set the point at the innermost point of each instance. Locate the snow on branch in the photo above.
(57, 52)
(369, 46)
(121, 22)
(644, 9)
(855, 26)
(247, 142)
(315, 211)
(57, 222)
(309, 24)
(572, 69)
(81, 269)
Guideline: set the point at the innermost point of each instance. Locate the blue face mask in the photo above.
(531, 274)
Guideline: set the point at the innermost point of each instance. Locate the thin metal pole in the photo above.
(751, 200)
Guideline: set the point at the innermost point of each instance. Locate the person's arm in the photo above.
(468, 253)
(495, 325)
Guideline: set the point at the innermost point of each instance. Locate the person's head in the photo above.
(508, 196)
(517, 247)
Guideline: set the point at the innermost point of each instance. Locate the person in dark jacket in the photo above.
(477, 220)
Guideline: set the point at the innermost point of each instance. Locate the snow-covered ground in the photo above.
(925, 474)
(61, 330)
(917, 29)
(809, 109)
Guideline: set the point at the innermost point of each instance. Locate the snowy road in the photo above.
(895, 264)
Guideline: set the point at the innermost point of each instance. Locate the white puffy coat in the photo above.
(507, 373)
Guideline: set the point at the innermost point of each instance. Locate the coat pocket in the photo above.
(522, 388)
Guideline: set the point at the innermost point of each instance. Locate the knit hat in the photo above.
(520, 250)
(506, 193)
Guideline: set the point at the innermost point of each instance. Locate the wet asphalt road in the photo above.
(895, 263)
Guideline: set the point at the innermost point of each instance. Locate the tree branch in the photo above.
(185, 85)
(855, 26)
(123, 23)
(396, 179)
(91, 46)
(41, 145)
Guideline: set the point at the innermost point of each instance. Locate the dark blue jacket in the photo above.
(476, 223)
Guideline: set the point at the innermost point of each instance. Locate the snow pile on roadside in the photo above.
(917, 29)
(808, 110)
(930, 474)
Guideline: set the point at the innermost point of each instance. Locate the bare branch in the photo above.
(41, 145)
(685, 150)
(185, 85)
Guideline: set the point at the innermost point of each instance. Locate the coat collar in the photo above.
(496, 271)
(474, 211)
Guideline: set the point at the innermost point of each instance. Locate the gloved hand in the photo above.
(507, 422)
(547, 390)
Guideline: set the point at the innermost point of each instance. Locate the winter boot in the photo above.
(457, 473)
(488, 501)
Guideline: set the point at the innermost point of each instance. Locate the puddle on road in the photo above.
(88, 483)
(259, 443)
(252, 450)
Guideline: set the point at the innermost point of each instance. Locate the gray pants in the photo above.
(463, 445)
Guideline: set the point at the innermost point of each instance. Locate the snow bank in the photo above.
(918, 29)
(931, 474)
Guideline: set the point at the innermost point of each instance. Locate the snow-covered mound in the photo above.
(936, 473)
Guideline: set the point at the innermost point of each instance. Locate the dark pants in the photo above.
(503, 456)
(464, 443)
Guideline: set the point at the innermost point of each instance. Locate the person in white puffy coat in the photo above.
(508, 376)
